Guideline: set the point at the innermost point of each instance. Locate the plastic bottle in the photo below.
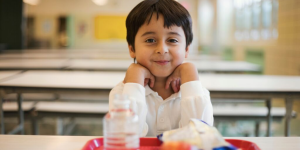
(121, 126)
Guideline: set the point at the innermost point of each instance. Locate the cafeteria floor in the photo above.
(93, 126)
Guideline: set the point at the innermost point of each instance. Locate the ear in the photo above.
(187, 50)
(131, 51)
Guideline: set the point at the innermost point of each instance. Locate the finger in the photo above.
(168, 82)
(174, 86)
(152, 81)
(146, 81)
(179, 84)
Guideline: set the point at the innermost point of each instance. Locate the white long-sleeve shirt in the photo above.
(157, 115)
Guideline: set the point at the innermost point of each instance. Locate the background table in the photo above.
(34, 142)
(83, 54)
(202, 65)
(66, 54)
(33, 64)
(5, 75)
(220, 86)
(119, 65)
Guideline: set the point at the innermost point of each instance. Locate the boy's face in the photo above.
(159, 49)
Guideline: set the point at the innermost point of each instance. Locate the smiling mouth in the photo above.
(162, 62)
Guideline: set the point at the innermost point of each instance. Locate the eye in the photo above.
(150, 41)
(173, 40)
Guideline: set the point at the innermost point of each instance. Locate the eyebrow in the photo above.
(147, 33)
(174, 33)
(171, 33)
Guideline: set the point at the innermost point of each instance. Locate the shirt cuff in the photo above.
(134, 90)
(191, 88)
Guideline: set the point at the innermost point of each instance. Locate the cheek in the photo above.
(179, 56)
(142, 56)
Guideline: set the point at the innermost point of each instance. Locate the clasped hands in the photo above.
(183, 73)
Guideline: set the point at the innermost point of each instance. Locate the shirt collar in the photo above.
(150, 91)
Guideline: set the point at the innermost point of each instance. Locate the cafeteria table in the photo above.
(66, 55)
(34, 64)
(84, 54)
(38, 142)
(6, 75)
(217, 66)
(202, 65)
(219, 85)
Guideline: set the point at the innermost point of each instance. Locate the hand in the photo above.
(137, 73)
(183, 73)
(174, 80)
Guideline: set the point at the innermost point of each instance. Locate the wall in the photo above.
(282, 55)
(83, 13)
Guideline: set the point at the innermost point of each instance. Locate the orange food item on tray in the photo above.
(177, 146)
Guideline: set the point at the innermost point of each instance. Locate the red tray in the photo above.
(154, 144)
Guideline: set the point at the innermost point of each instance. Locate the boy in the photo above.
(165, 91)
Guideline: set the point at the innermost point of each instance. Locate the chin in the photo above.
(161, 74)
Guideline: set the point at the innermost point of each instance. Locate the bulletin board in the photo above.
(110, 27)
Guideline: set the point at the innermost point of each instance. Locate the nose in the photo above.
(162, 48)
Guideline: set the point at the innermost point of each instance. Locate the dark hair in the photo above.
(173, 13)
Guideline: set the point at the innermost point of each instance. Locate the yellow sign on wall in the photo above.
(110, 27)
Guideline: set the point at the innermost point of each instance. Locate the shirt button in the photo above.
(162, 120)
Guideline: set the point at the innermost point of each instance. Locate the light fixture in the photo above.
(100, 2)
(32, 2)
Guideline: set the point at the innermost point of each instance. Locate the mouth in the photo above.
(162, 62)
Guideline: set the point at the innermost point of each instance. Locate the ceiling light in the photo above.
(100, 2)
(32, 2)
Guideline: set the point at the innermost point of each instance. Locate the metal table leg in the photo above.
(288, 115)
(2, 116)
(59, 126)
(21, 113)
(34, 123)
(20, 127)
(269, 117)
(257, 123)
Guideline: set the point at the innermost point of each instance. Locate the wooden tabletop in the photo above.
(273, 143)
(107, 80)
(7, 74)
(225, 66)
(66, 79)
(83, 54)
(202, 65)
(35, 142)
(27, 64)
(258, 83)
(117, 64)
(219, 85)
(86, 55)
(100, 64)
(65, 54)
(105, 59)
